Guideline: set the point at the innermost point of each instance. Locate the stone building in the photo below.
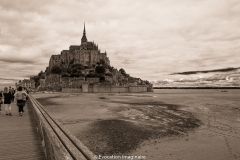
(87, 54)
(109, 79)
(92, 80)
(26, 83)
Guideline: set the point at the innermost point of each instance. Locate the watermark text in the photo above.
(127, 157)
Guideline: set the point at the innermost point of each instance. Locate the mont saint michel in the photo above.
(84, 68)
(139, 80)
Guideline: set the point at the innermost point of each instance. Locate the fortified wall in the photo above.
(89, 85)
(95, 88)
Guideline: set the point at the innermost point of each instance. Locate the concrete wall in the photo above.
(53, 148)
(56, 145)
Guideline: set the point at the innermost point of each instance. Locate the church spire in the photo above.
(84, 38)
(84, 31)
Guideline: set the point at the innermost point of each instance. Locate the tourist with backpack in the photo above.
(20, 97)
(7, 96)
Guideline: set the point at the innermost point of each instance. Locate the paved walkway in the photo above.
(18, 136)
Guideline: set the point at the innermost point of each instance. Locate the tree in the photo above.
(122, 71)
(56, 70)
(76, 75)
(36, 80)
(86, 67)
(100, 69)
(108, 74)
(40, 74)
(93, 75)
(65, 75)
(78, 66)
(102, 62)
(110, 68)
(102, 78)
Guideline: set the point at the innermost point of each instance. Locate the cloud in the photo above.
(149, 40)
(8, 79)
(24, 6)
(227, 77)
(208, 71)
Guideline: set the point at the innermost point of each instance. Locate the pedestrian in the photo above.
(20, 97)
(24, 89)
(7, 101)
(1, 100)
(13, 92)
(10, 89)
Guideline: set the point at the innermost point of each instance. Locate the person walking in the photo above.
(1, 100)
(7, 101)
(20, 97)
(12, 93)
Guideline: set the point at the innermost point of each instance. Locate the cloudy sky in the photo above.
(150, 39)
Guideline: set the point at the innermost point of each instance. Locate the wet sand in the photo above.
(165, 124)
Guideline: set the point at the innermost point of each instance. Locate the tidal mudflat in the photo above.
(166, 124)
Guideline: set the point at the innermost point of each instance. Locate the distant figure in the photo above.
(1, 99)
(21, 97)
(13, 92)
(10, 91)
(7, 96)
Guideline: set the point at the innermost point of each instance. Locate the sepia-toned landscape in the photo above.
(149, 80)
(165, 124)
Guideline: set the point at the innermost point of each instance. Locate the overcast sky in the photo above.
(150, 39)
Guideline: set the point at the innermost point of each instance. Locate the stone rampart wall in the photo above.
(139, 88)
(108, 89)
(72, 90)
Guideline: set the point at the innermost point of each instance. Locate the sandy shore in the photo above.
(166, 124)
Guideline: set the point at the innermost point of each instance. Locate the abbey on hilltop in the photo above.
(83, 68)
(86, 54)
